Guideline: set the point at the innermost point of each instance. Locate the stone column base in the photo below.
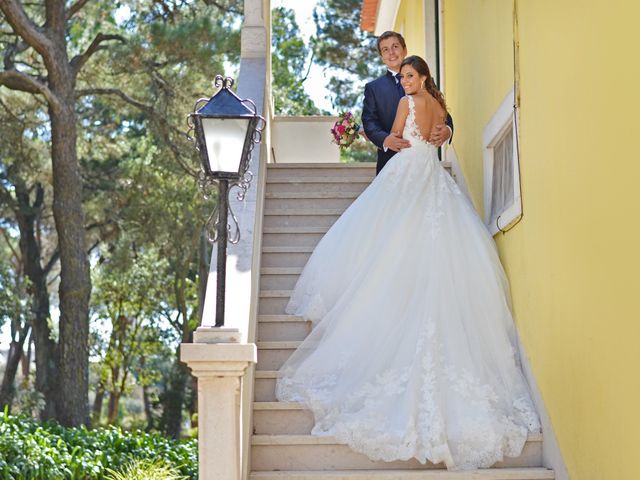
(219, 368)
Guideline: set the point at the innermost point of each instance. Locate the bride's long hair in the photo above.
(422, 68)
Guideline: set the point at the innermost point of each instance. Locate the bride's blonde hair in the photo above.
(422, 68)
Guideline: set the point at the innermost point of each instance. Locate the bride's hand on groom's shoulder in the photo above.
(395, 142)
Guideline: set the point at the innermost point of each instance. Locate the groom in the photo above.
(381, 98)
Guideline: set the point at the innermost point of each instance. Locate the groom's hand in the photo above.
(395, 142)
(440, 134)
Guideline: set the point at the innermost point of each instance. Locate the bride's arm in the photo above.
(401, 117)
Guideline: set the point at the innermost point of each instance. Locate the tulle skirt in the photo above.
(412, 352)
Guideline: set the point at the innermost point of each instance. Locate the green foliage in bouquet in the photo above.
(47, 451)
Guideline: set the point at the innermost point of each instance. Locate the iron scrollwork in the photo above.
(207, 184)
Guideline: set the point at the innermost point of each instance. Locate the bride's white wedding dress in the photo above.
(412, 352)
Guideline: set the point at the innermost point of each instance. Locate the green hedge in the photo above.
(46, 451)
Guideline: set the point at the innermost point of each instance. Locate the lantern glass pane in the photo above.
(225, 140)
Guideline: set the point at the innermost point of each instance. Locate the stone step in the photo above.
(272, 306)
(321, 165)
(273, 302)
(307, 452)
(533, 473)
(265, 386)
(285, 329)
(302, 236)
(310, 195)
(301, 217)
(309, 200)
(275, 293)
(302, 212)
(286, 256)
(279, 171)
(272, 355)
(285, 418)
(279, 318)
(279, 278)
(318, 184)
(337, 179)
(289, 417)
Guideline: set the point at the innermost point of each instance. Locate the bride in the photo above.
(412, 352)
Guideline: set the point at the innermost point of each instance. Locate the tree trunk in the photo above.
(7, 389)
(46, 367)
(97, 405)
(203, 276)
(203, 272)
(148, 411)
(46, 364)
(113, 406)
(173, 399)
(26, 360)
(193, 408)
(75, 283)
(175, 395)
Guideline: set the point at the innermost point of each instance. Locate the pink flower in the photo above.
(341, 129)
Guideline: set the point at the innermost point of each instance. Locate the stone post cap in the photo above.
(218, 359)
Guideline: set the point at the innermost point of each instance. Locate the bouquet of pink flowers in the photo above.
(345, 130)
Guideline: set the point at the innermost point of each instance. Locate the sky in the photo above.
(315, 85)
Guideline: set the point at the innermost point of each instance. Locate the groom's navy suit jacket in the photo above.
(381, 97)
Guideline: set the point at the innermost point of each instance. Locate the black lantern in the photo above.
(226, 129)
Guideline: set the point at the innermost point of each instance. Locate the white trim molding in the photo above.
(430, 40)
(503, 121)
(441, 52)
(387, 14)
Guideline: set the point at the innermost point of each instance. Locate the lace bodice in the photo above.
(411, 131)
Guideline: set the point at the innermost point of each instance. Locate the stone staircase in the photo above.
(302, 201)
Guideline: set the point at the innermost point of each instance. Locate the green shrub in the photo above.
(146, 469)
(46, 451)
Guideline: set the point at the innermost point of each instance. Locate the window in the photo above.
(502, 205)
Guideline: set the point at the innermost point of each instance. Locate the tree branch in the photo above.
(75, 8)
(117, 92)
(93, 247)
(79, 60)
(7, 239)
(52, 261)
(225, 8)
(7, 199)
(16, 80)
(313, 54)
(53, 280)
(174, 322)
(11, 51)
(25, 28)
(149, 110)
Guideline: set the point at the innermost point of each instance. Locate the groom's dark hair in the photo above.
(389, 34)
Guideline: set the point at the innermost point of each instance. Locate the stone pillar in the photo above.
(253, 36)
(219, 368)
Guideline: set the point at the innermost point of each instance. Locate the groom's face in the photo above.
(392, 53)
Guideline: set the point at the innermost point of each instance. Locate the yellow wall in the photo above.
(410, 21)
(574, 260)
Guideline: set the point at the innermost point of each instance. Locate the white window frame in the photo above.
(493, 132)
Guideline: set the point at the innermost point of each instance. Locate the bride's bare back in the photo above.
(428, 114)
